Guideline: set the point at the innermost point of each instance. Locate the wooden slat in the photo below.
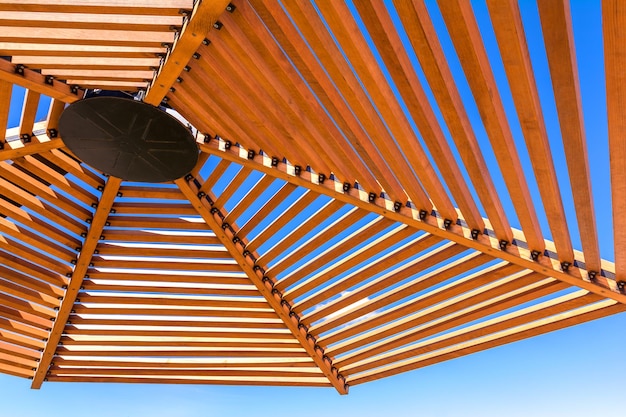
(345, 245)
(362, 59)
(90, 21)
(465, 34)
(284, 218)
(89, 245)
(29, 110)
(363, 292)
(492, 299)
(518, 255)
(319, 80)
(61, 62)
(68, 49)
(371, 255)
(424, 39)
(255, 275)
(290, 238)
(306, 18)
(194, 31)
(149, 7)
(312, 382)
(36, 82)
(84, 36)
(251, 45)
(6, 89)
(613, 19)
(509, 31)
(420, 283)
(578, 316)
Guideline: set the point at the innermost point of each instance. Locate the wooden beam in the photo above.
(34, 81)
(509, 30)
(614, 29)
(226, 234)
(465, 34)
(546, 325)
(427, 47)
(603, 284)
(558, 36)
(143, 7)
(82, 264)
(194, 31)
(6, 90)
(29, 112)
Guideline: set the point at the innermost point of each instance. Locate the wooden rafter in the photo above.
(516, 254)
(194, 31)
(349, 227)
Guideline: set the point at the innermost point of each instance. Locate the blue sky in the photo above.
(576, 372)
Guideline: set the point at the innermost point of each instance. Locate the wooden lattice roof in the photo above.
(342, 224)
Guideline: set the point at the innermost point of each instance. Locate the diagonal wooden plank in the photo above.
(613, 19)
(423, 37)
(507, 24)
(98, 223)
(518, 253)
(558, 36)
(214, 217)
(465, 34)
(34, 81)
(194, 31)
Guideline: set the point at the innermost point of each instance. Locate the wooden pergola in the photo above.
(342, 224)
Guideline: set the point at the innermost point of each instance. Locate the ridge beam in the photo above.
(94, 234)
(194, 31)
(227, 235)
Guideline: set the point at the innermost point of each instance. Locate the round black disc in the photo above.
(128, 139)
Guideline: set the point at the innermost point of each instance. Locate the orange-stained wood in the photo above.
(559, 42)
(507, 23)
(82, 264)
(614, 18)
(194, 31)
(463, 28)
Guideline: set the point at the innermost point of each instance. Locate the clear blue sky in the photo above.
(576, 372)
